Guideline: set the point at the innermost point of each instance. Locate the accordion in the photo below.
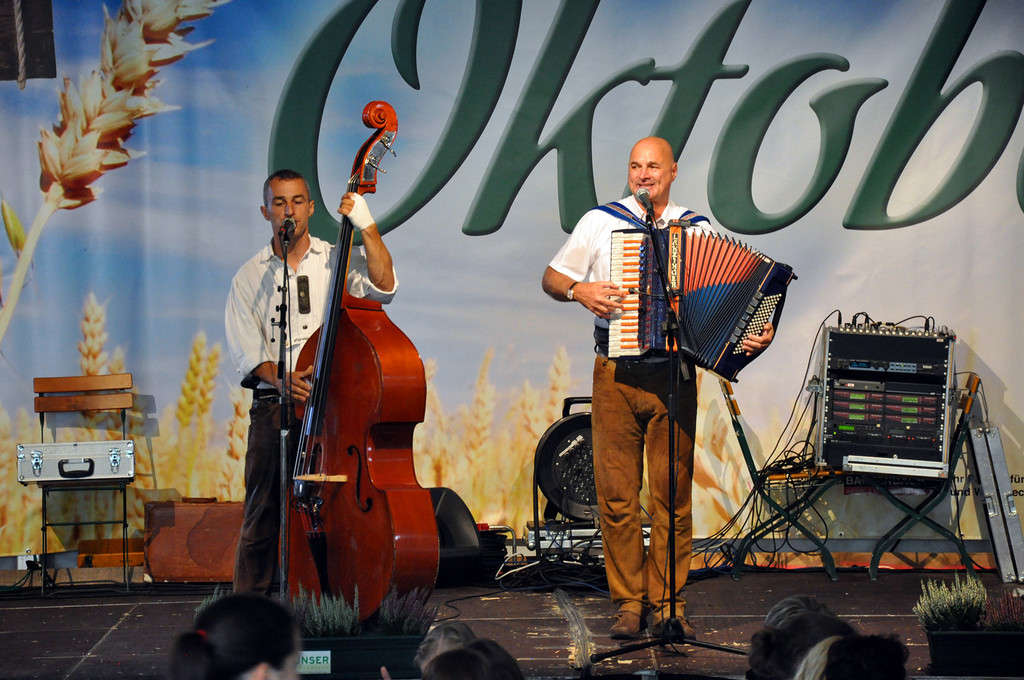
(721, 290)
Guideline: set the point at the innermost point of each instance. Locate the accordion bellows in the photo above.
(721, 289)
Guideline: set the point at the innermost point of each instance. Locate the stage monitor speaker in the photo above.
(458, 539)
(887, 396)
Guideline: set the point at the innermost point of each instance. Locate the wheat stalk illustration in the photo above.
(92, 358)
(238, 426)
(20, 501)
(98, 115)
(193, 410)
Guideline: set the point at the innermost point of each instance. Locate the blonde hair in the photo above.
(812, 666)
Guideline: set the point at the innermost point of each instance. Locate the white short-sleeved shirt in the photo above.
(251, 317)
(587, 254)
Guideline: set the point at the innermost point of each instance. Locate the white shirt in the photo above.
(251, 317)
(587, 254)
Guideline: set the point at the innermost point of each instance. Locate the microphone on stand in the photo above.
(643, 197)
(287, 230)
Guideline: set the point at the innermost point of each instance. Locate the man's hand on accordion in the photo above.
(752, 344)
(603, 298)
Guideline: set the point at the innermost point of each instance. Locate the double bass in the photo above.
(358, 523)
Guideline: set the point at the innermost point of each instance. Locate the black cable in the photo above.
(788, 457)
(103, 589)
(803, 382)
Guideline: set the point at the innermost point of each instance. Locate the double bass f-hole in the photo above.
(368, 503)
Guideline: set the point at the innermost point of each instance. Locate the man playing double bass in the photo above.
(253, 332)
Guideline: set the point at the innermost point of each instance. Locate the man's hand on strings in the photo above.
(753, 344)
(354, 207)
(297, 385)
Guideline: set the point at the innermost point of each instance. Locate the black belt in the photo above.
(262, 395)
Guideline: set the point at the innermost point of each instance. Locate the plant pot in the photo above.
(976, 652)
(360, 656)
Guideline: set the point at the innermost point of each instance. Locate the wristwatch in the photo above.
(568, 293)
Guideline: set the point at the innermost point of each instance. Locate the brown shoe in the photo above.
(683, 628)
(627, 625)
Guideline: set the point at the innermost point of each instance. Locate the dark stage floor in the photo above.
(85, 631)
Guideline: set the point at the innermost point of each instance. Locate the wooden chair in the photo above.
(85, 394)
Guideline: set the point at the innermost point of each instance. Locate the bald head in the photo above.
(652, 166)
(655, 146)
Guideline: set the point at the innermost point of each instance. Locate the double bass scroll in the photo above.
(375, 531)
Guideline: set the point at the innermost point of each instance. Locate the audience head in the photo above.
(792, 606)
(242, 635)
(442, 637)
(500, 664)
(812, 665)
(456, 664)
(480, 659)
(867, 657)
(775, 652)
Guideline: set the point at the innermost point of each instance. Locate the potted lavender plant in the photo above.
(970, 633)
(336, 645)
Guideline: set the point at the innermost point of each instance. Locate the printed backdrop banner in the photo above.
(876, 148)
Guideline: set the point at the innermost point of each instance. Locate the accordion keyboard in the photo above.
(628, 249)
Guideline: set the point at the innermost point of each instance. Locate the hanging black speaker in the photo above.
(26, 40)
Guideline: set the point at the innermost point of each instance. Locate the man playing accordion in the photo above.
(630, 414)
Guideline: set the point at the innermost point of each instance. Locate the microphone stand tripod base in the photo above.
(671, 634)
(671, 630)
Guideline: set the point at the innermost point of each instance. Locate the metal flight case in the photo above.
(76, 462)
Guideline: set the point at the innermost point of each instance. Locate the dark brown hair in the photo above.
(232, 635)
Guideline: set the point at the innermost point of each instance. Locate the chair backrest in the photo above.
(83, 393)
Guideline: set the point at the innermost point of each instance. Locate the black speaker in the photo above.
(458, 539)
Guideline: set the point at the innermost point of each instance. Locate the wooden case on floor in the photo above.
(193, 540)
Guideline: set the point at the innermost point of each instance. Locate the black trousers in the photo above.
(256, 559)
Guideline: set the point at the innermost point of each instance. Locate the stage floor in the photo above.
(88, 631)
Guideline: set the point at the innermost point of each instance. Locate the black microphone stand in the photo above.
(679, 371)
(284, 236)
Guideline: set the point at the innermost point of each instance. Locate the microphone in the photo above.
(643, 196)
(287, 229)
